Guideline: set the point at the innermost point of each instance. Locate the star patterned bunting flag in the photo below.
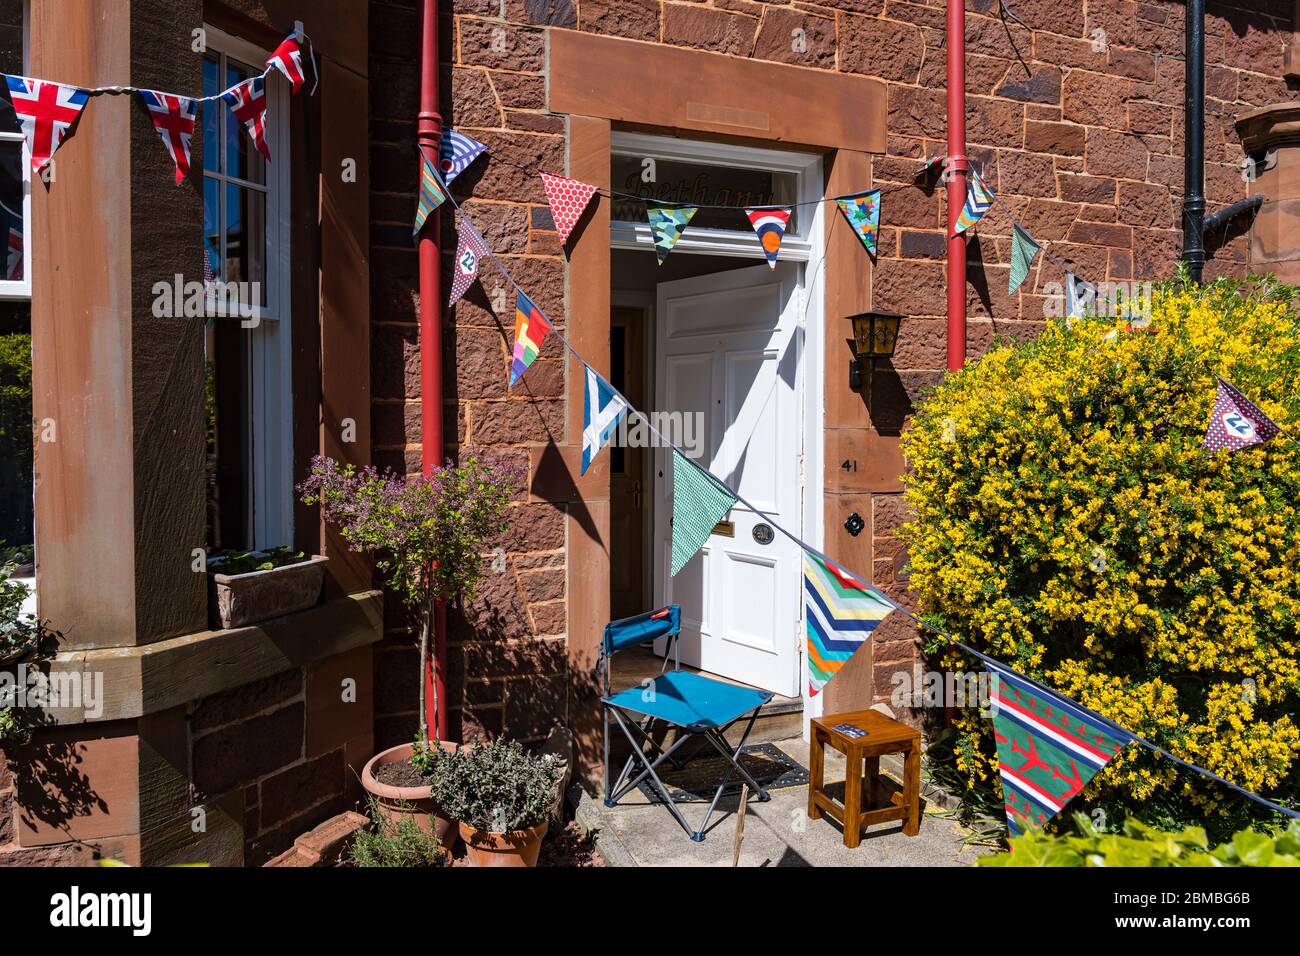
(470, 250)
(769, 224)
(530, 328)
(1236, 422)
(568, 198)
(862, 210)
(1048, 748)
(46, 112)
(602, 407)
(173, 117)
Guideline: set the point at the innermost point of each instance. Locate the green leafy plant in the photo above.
(1141, 845)
(428, 534)
(402, 843)
(495, 786)
(16, 436)
(244, 562)
(1068, 520)
(20, 634)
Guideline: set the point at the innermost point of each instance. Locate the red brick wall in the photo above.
(1082, 139)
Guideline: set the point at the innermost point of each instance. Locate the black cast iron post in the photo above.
(1194, 149)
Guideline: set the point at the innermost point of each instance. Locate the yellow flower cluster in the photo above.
(1068, 521)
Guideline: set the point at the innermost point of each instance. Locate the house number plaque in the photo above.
(763, 533)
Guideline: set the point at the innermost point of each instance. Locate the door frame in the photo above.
(645, 303)
(705, 95)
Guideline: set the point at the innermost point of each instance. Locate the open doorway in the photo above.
(714, 343)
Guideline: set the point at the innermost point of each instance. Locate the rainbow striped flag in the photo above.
(840, 612)
(1048, 749)
(431, 195)
(530, 328)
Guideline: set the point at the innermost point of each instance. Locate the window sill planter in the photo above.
(244, 599)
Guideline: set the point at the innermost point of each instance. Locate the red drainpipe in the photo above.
(429, 135)
(957, 166)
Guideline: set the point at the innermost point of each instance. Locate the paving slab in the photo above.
(777, 833)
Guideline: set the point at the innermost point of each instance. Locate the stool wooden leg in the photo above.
(869, 776)
(912, 790)
(852, 799)
(816, 774)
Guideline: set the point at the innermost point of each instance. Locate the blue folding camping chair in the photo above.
(694, 706)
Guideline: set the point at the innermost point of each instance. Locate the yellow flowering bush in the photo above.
(1068, 521)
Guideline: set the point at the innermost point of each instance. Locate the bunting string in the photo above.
(992, 663)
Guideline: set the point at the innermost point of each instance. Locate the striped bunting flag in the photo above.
(431, 195)
(840, 613)
(456, 152)
(699, 503)
(530, 328)
(978, 200)
(1048, 749)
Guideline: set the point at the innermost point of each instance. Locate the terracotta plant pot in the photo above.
(244, 599)
(421, 806)
(516, 848)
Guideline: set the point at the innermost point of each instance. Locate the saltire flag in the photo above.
(568, 198)
(173, 118)
(840, 612)
(287, 58)
(47, 112)
(1236, 422)
(862, 211)
(666, 225)
(699, 503)
(248, 103)
(431, 195)
(769, 224)
(1023, 251)
(978, 200)
(530, 329)
(602, 407)
(1048, 748)
(456, 152)
(470, 250)
(1080, 296)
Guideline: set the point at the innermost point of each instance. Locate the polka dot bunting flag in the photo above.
(568, 199)
(1236, 422)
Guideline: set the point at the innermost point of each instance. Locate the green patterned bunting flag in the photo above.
(1023, 251)
(667, 224)
(862, 210)
(699, 503)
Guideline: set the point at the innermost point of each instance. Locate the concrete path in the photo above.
(777, 833)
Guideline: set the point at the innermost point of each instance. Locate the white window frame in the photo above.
(796, 245)
(270, 478)
(10, 289)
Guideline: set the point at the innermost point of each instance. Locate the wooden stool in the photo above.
(884, 735)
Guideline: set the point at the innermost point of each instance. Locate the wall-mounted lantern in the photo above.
(874, 336)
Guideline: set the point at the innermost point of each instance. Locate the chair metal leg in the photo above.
(732, 757)
(650, 772)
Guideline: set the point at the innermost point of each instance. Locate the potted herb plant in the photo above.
(502, 797)
(428, 535)
(252, 586)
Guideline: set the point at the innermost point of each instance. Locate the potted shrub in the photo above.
(428, 536)
(396, 843)
(251, 586)
(502, 797)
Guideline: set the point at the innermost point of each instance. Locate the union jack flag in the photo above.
(456, 153)
(47, 112)
(248, 103)
(173, 117)
(287, 58)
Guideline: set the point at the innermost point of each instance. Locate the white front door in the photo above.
(727, 351)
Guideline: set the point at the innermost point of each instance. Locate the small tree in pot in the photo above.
(428, 535)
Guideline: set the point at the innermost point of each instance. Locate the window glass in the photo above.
(691, 183)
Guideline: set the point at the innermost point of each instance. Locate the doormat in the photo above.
(698, 780)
